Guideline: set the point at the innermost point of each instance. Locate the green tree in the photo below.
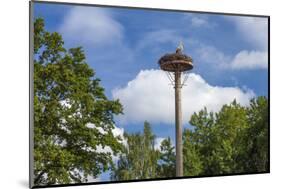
(231, 121)
(192, 164)
(254, 139)
(233, 140)
(201, 139)
(167, 160)
(140, 158)
(67, 97)
(216, 138)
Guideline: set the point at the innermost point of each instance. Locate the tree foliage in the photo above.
(233, 140)
(192, 164)
(167, 163)
(140, 158)
(67, 97)
(254, 140)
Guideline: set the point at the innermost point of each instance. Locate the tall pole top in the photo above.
(176, 62)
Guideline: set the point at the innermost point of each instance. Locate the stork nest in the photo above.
(174, 56)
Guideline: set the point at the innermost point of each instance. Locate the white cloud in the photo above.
(91, 25)
(244, 59)
(149, 97)
(250, 60)
(212, 55)
(253, 29)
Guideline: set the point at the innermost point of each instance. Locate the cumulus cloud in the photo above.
(149, 97)
(250, 60)
(91, 25)
(253, 29)
(244, 59)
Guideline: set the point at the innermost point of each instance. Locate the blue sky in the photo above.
(124, 45)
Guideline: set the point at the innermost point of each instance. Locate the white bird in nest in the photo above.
(180, 48)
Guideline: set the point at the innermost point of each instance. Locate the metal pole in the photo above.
(179, 159)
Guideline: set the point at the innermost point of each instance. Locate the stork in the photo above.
(180, 47)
